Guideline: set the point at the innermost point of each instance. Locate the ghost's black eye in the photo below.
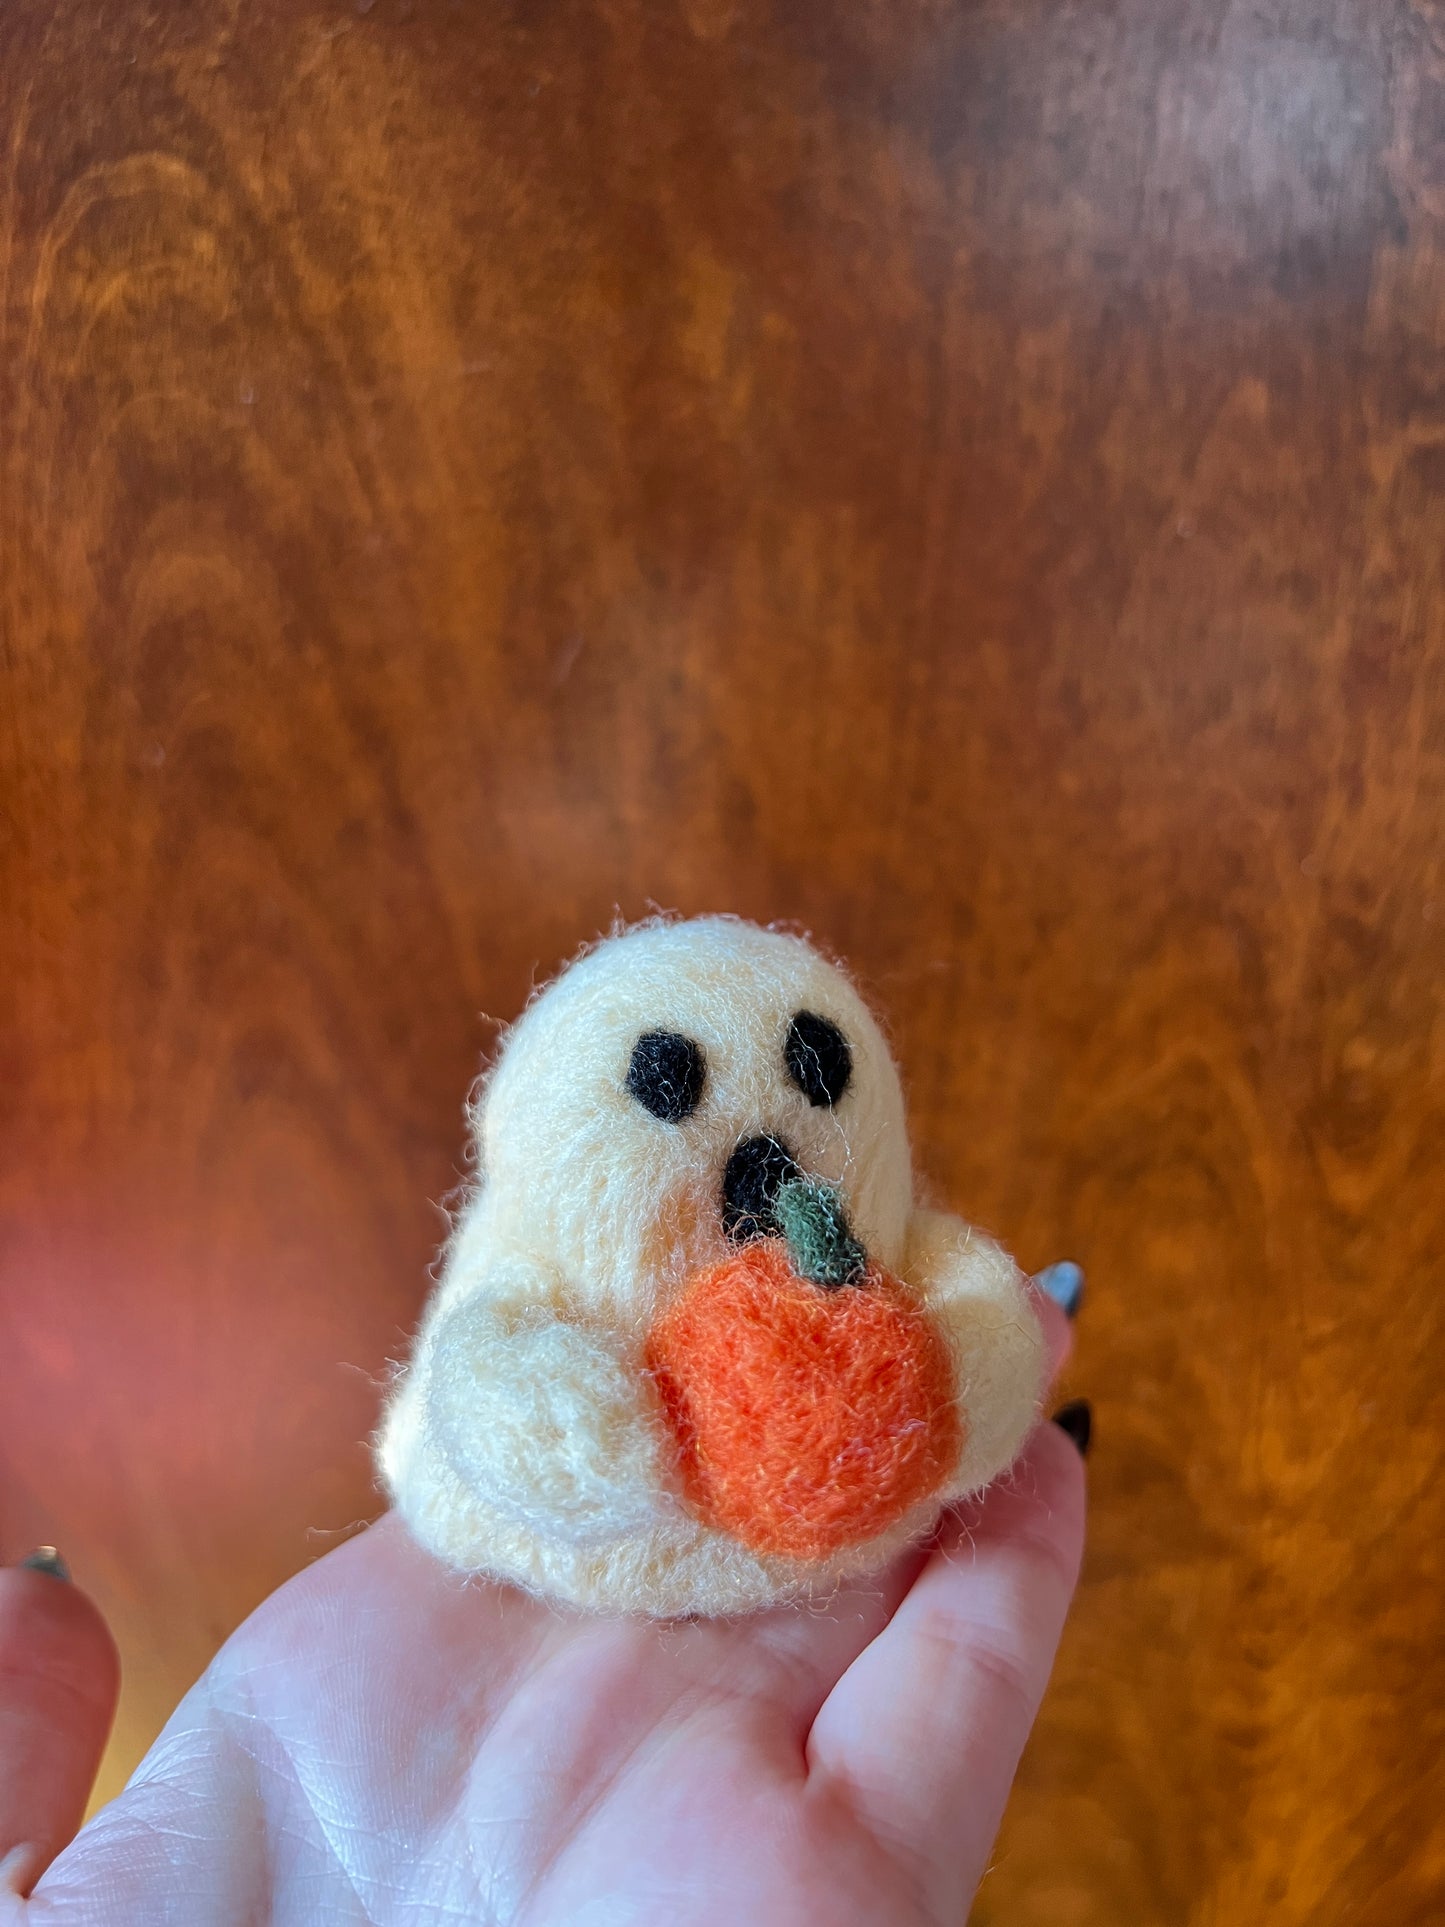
(666, 1074)
(818, 1058)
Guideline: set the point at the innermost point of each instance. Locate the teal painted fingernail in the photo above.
(1064, 1283)
(46, 1559)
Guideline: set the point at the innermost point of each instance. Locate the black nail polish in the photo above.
(47, 1559)
(1077, 1419)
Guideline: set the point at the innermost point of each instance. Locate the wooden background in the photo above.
(967, 475)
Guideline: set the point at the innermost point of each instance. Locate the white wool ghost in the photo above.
(526, 1438)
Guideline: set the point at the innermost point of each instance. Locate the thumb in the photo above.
(59, 1678)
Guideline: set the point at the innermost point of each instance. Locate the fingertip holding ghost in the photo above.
(694, 1348)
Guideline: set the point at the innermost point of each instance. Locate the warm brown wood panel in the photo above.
(967, 477)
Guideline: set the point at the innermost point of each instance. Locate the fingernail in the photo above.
(47, 1559)
(1064, 1283)
(20, 1869)
(1077, 1419)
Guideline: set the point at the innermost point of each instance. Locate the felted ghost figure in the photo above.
(694, 1349)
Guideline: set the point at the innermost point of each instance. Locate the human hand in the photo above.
(384, 1742)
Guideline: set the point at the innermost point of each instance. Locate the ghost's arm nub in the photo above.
(538, 1422)
(980, 1300)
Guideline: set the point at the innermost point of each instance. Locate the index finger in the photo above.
(923, 1733)
(1058, 1330)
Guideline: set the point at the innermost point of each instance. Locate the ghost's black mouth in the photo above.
(755, 1172)
(766, 1193)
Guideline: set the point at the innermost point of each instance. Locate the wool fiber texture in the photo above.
(814, 1223)
(808, 1420)
(627, 1393)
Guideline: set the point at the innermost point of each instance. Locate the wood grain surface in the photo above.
(967, 476)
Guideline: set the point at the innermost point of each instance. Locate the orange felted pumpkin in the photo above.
(807, 1419)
